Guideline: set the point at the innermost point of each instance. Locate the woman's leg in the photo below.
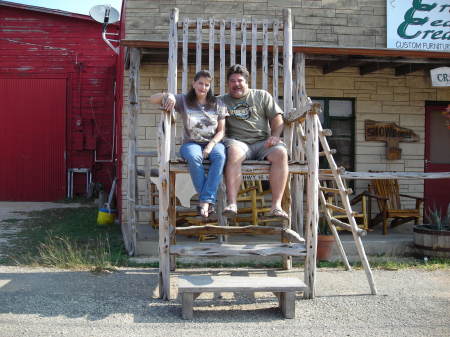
(214, 177)
(192, 153)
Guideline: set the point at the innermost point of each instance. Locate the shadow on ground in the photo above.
(133, 292)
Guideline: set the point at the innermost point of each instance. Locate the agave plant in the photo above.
(437, 219)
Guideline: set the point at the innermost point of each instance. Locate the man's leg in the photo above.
(278, 174)
(233, 175)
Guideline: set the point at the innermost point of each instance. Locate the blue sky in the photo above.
(74, 6)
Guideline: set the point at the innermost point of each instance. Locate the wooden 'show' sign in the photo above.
(391, 134)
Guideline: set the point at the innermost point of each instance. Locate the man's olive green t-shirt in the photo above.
(249, 116)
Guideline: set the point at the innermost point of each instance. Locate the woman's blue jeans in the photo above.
(205, 185)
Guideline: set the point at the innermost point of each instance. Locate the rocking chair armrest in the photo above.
(412, 197)
(376, 196)
(359, 197)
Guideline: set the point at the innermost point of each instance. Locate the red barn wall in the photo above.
(36, 44)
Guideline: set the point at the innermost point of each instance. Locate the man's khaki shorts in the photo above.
(255, 151)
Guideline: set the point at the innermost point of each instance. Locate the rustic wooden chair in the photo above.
(387, 194)
(361, 217)
(252, 195)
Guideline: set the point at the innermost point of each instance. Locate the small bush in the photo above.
(62, 252)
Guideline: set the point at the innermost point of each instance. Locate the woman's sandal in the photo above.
(278, 213)
(202, 212)
(212, 214)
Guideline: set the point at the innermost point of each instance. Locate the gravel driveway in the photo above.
(49, 302)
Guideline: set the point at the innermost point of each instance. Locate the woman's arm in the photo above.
(167, 100)
(220, 132)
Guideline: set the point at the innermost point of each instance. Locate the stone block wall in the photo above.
(380, 96)
(331, 23)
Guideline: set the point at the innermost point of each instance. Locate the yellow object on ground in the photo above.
(106, 216)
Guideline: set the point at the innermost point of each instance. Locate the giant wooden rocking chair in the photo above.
(302, 134)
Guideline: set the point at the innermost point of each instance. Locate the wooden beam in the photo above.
(227, 230)
(164, 146)
(308, 50)
(248, 169)
(346, 226)
(409, 68)
(373, 66)
(312, 192)
(242, 24)
(213, 249)
(337, 65)
(396, 175)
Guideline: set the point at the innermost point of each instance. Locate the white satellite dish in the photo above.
(106, 14)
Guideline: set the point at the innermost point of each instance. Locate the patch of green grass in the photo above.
(406, 263)
(11, 221)
(385, 264)
(66, 238)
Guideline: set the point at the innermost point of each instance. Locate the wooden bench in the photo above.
(190, 287)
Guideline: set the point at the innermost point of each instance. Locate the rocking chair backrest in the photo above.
(387, 188)
(251, 34)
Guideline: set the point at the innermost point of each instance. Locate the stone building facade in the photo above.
(379, 95)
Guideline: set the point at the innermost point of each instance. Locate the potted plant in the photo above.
(325, 240)
(433, 239)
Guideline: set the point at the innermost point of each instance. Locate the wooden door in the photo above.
(32, 139)
(437, 156)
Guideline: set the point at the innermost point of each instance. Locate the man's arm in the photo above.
(276, 127)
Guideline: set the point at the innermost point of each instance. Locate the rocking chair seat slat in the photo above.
(248, 168)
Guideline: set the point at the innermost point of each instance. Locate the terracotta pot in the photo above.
(324, 247)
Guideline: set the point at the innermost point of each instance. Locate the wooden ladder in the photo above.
(335, 174)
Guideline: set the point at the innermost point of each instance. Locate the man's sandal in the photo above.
(278, 213)
(230, 211)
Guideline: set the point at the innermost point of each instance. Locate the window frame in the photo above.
(327, 121)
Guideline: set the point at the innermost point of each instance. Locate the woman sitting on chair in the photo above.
(204, 127)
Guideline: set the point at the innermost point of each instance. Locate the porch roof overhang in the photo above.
(330, 59)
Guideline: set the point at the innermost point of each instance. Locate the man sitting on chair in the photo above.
(249, 136)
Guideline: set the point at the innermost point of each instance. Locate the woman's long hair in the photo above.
(191, 97)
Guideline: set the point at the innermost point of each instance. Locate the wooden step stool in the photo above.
(190, 287)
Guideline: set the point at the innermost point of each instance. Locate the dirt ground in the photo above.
(50, 302)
